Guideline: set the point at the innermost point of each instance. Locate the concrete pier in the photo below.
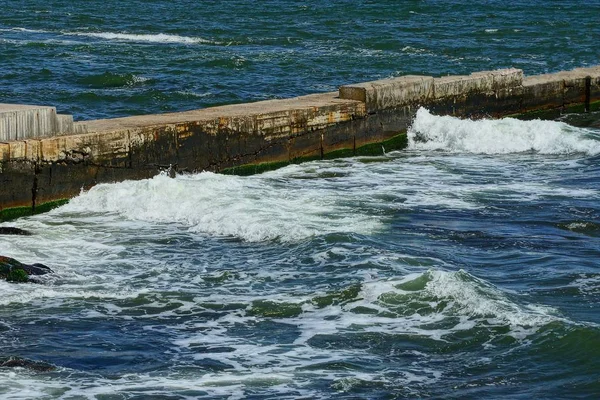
(45, 158)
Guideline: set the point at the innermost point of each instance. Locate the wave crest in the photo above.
(504, 136)
(248, 208)
(150, 38)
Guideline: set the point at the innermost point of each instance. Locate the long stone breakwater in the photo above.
(46, 158)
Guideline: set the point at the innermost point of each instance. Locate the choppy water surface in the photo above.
(464, 267)
(97, 59)
(467, 272)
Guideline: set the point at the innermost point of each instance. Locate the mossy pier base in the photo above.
(56, 160)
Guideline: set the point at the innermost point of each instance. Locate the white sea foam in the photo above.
(415, 50)
(508, 135)
(190, 93)
(150, 38)
(436, 296)
(51, 296)
(225, 385)
(433, 304)
(18, 29)
(252, 209)
(587, 284)
(121, 36)
(467, 295)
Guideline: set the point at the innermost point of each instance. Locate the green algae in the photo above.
(17, 276)
(12, 270)
(397, 142)
(343, 296)
(554, 113)
(272, 309)
(8, 214)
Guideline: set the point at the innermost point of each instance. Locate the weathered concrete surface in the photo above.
(390, 93)
(478, 82)
(481, 93)
(561, 89)
(19, 122)
(37, 172)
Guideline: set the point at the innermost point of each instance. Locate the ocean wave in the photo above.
(251, 209)
(503, 136)
(165, 38)
(149, 38)
(19, 29)
(192, 94)
(432, 304)
(113, 80)
(50, 295)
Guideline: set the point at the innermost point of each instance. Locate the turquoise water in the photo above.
(463, 267)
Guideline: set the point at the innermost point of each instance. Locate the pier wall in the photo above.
(45, 158)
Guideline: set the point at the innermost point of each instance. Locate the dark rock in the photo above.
(9, 230)
(17, 362)
(14, 271)
(37, 269)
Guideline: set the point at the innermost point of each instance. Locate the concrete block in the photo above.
(543, 91)
(478, 82)
(17, 150)
(64, 124)
(576, 78)
(4, 151)
(21, 122)
(390, 93)
(573, 89)
(593, 72)
(32, 150)
(462, 85)
(273, 125)
(50, 150)
(80, 128)
(503, 78)
(561, 88)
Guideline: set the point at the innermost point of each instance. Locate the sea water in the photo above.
(99, 59)
(465, 266)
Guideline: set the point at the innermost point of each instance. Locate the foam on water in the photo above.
(51, 296)
(504, 136)
(421, 303)
(291, 204)
(251, 209)
(433, 304)
(225, 386)
(149, 38)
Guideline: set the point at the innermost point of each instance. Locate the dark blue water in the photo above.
(99, 59)
(463, 267)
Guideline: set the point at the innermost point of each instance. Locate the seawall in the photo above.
(45, 158)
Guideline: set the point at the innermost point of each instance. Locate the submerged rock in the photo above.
(10, 230)
(12, 270)
(18, 362)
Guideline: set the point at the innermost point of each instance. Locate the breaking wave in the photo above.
(251, 208)
(113, 80)
(150, 38)
(504, 136)
(433, 304)
(120, 36)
